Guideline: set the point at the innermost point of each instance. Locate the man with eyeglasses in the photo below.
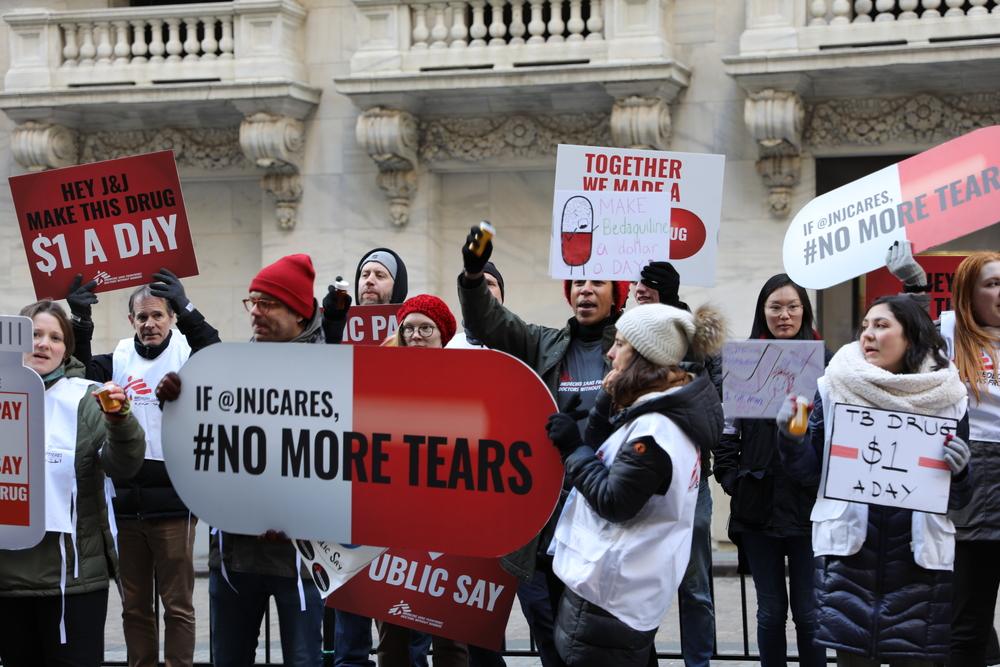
(155, 528)
(246, 570)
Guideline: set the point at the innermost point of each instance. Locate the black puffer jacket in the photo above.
(879, 602)
(980, 519)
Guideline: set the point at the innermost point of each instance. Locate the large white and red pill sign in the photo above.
(614, 210)
(116, 222)
(22, 440)
(442, 450)
(370, 325)
(939, 195)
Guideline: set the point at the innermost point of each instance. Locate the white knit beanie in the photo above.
(658, 332)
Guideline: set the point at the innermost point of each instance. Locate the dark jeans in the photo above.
(537, 605)
(697, 611)
(766, 557)
(352, 640)
(29, 630)
(977, 578)
(236, 616)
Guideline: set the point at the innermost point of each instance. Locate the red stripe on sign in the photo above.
(925, 462)
(845, 452)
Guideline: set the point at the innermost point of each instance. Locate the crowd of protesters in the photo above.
(640, 428)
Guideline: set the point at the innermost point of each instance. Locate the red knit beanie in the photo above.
(434, 308)
(619, 294)
(290, 281)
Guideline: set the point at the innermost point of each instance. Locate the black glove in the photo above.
(169, 388)
(474, 263)
(330, 309)
(663, 277)
(563, 433)
(81, 297)
(168, 286)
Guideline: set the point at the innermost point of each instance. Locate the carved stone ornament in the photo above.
(921, 119)
(40, 146)
(483, 138)
(275, 143)
(775, 120)
(640, 122)
(390, 138)
(204, 148)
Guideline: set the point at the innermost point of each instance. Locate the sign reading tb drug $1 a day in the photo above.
(116, 222)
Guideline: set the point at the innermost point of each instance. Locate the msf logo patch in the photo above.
(399, 609)
(136, 387)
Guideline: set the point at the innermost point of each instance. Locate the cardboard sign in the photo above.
(758, 375)
(370, 325)
(941, 194)
(887, 457)
(117, 221)
(940, 274)
(22, 440)
(615, 210)
(380, 446)
(465, 599)
(332, 564)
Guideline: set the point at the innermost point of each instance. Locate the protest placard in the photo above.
(616, 209)
(940, 268)
(758, 375)
(22, 440)
(116, 222)
(462, 598)
(365, 445)
(370, 325)
(888, 457)
(941, 194)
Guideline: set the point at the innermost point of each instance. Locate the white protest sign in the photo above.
(885, 457)
(615, 210)
(22, 440)
(332, 564)
(758, 375)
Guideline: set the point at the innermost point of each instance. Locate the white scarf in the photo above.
(854, 380)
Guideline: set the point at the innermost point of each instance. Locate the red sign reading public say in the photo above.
(370, 325)
(940, 275)
(116, 222)
(458, 597)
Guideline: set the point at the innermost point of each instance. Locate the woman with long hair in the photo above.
(622, 542)
(884, 580)
(54, 596)
(769, 511)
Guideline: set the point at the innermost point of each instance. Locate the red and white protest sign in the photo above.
(936, 196)
(462, 598)
(22, 440)
(617, 209)
(370, 325)
(117, 222)
(940, 270)
(442, 450)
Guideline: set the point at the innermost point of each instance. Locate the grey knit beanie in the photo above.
(658, 332)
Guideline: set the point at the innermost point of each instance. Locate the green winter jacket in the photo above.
(102, 447)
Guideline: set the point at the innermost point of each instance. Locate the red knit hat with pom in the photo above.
(434, 308)
(290, 281)
(619, 294)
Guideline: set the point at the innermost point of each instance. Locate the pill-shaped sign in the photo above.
(441, 450)
(939, 195)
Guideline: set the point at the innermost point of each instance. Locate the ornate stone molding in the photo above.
(775, 120)
(920, 119)
(210, 148)
(390, 138)
(274, 143)
(483, 138)
(640, 122)
(40, 146)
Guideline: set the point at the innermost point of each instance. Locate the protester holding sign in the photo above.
(54, 596)
(571, 362)
(972, 332)
(769, 511)
(884, 584)
(623, 540)
(155, 529)
(424, 321)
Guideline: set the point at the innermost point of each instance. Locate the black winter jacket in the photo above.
(879, 602)
(149, 494)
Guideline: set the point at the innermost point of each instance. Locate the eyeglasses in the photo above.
(791, 309)
(262, 305)
(425, 330)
